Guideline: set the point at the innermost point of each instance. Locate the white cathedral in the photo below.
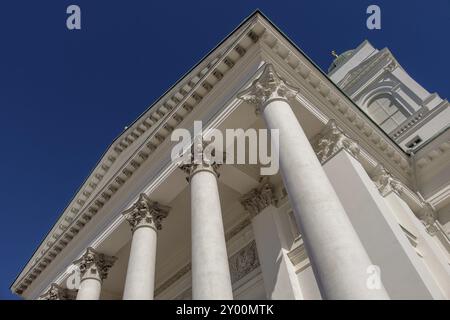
(359, 209)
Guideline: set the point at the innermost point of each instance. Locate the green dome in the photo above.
(340, 60)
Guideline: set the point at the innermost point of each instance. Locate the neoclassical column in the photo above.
(56, 292)
(337, 256)
(94, 268)
(210, 270)
(145, 217)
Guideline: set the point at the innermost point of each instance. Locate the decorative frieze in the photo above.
(94, 264)
(243, 262)
(57, 292)
(267, 87)
(331, 140)
(146, 212)
(259, 198)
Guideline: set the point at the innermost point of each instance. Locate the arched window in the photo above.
(386, 112)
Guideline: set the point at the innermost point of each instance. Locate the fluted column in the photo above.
(145, 218)
(210, 270)
(337, 256)
(94, 268)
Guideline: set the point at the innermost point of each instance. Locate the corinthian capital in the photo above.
(331, 140)
(267, 87)
(57, 292)
(259, 198)
(146, 213)
(94, 264)
(428, 217)
(202, 158)
(385, 182)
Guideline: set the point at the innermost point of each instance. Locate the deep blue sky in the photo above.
(65, 95)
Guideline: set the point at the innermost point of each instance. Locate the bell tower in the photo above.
(400, 106)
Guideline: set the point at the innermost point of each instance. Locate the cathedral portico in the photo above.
(146, 227)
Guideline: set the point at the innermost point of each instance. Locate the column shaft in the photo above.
(210, 270)
(90, 289)
(338, 258)
(140, 280)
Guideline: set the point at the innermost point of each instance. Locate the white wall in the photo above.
(403, 274)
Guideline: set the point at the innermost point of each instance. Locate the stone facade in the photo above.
(356, 194)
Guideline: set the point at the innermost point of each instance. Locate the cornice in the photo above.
(56, 292)
(417, 120)
(408, 124)
(440, 198)
(434, 151)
